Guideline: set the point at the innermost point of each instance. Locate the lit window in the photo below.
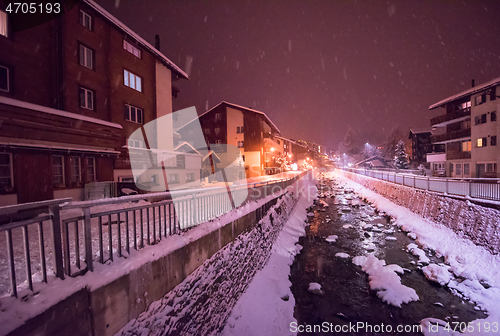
(466, 146)
(218, 142)
(6, 178)
(240, 144)
(481, 142)
(86, 57)
(91, 169)
(76, 171)
(134, 114)
(465, 105)
(86, 98)
(85, 20)
(131, 49)
(58, 171)
(3, 23)
(132, 80)
(4, 79)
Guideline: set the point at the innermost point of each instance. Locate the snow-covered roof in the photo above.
(287, 139)
(118, 24)
(468, 92)
(420, 130)
(209, 153)
(49, 110)
(236, 106)
(187, 144)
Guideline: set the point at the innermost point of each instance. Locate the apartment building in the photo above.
(72, 91)
(249, 130)
(471, 131)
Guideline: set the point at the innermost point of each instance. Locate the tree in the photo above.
(401, 158)
(283, 161)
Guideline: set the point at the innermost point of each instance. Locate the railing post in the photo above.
(56, 241)
(88, 238)
(446, 185)
(428, 184)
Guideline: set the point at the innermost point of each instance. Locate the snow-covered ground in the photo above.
(470, 271)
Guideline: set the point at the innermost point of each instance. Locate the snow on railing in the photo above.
(74, 235)
(481, 188)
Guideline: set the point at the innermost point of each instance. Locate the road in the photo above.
(345, 299)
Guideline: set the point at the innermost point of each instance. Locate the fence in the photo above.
(482, 188)
(100, 230)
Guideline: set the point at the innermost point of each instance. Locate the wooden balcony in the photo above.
(451, 136)
(449, 118)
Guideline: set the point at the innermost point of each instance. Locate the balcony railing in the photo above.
(450, 136)
(445, 118)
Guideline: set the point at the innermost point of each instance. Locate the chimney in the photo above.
(473, 81)
(157, 42)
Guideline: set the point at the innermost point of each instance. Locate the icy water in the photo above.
(348, 300)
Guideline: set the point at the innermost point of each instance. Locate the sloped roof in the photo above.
(121, 26)
(236, 106)
(188, 145)
(468, 92)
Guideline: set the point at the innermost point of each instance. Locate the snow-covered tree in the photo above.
(283, 161)
(401, 158)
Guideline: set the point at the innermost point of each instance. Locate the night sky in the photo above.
(317, 67)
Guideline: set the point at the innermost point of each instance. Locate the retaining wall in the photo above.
(105, 310)
(467, 218)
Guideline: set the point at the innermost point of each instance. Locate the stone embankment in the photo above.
(469, 219)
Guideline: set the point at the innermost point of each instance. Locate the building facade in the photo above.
(72, 90)
(248, 130)
(471, 131)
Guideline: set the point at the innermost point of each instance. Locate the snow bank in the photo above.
(466, 260)
(385, 280)
(422, 258)
(267, 305)
(332, 238)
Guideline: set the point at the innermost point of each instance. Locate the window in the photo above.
(480, 119)
(189, 177)
(180, 161)
(466, 169)
(131, 49)
(86, 56)
(217, 131)
(491, 167)
(207, 130)
(465, 105)
(240, 144)
(85, 20)
(173, 178)
(459, 169)
(132, 80)
(464, 125)
(451, 168)
(481, 142)
(493, 140)
(218, 117)
(493, 95)
(76, 170)
(134, 114)
(5, 171)
(4, 79)
(239, 129)
(91, 169)
(136, 143)
(218, 142)
(466, 146)
(58, 171)
(86, 98)
(154, 179)
(478, 100)
(4, 26)
(493, 116)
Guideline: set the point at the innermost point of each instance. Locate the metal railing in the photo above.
(100, 230)
(482, 188)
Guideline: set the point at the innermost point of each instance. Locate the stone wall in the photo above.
(201, 304)
(471, 220)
